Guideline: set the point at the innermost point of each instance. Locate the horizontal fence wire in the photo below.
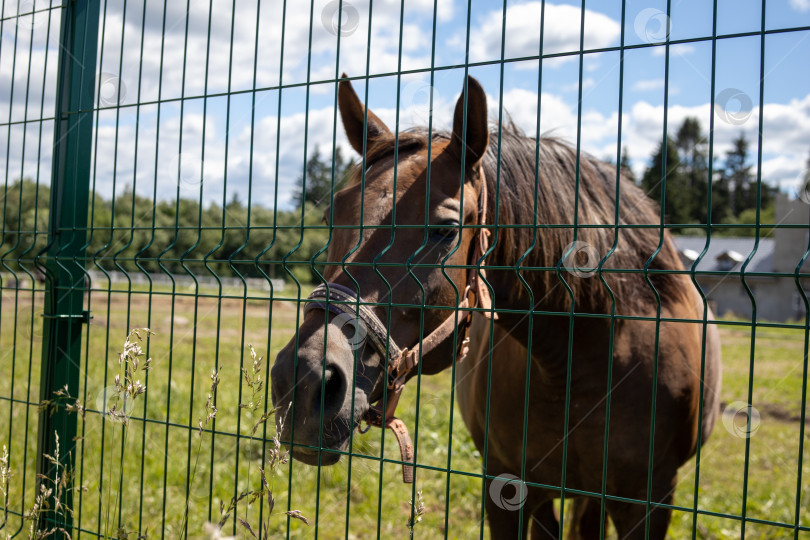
(226, 182)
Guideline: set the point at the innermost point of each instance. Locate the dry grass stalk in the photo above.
(210, 414)
(127, 388)
(275, 457)
(210, 408)
(5, 476)
(418, 512)
(52, 491)
(5, 472)
(63, 397)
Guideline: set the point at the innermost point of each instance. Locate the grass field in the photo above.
(360, 496)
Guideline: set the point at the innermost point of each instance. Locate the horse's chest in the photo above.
(510, 418)
(504, 387)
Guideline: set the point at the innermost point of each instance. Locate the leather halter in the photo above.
(402, 361)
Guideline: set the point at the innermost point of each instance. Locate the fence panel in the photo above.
(176, 167)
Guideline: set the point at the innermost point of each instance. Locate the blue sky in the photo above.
(130, 72)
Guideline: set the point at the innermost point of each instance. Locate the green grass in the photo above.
(368, 494)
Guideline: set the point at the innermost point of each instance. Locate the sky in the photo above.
(159, 133)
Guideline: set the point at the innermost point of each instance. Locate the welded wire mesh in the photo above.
(174, 165)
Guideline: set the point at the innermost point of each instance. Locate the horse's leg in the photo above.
(545, 522)
(586, 517)
(630, 519)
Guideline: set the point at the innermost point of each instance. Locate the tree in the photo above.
(737, 182)
(721, 198)
(738, 174)
(319, 179)
(626, 167)
(742, 182)
(804, 189)
(693, 168)
(677, 204)
(134, 234)
(25, 206)
(749, 217)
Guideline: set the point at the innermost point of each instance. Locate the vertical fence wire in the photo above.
(693, 276)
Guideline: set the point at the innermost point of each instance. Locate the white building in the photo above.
(771, 274)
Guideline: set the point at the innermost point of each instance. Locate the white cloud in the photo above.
(587, 83)
(561, 29)
(243, 167)
(167, 64)
(557, 117)
(681, 49)
(785, 172)
(785, 136)
(310, 42)
(444, 8)
(648, 84)
(22, 73)
(800, 5)
(786, 130)
(415, 106)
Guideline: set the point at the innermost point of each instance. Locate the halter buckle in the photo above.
(401, 367)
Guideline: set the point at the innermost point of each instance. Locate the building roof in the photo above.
(725, 254)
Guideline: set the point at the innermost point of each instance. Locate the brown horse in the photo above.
(589, 349)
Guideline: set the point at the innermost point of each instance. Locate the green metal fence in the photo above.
(167, 166)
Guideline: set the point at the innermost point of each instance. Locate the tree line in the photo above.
(132, 233)
(735, 192)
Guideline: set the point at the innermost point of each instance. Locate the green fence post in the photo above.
(67, 231)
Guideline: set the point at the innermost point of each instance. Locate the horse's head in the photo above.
(395, 273)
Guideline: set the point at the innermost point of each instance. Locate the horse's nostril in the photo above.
(332, 383)
(334, 393)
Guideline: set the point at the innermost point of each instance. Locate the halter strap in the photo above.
(347, 303)
(340, 299)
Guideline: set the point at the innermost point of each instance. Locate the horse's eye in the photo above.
(444, 232)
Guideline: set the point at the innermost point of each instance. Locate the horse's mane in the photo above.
(511, 176)
(556, 189)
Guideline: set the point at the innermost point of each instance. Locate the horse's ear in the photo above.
(352, 112)
(477, 137)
